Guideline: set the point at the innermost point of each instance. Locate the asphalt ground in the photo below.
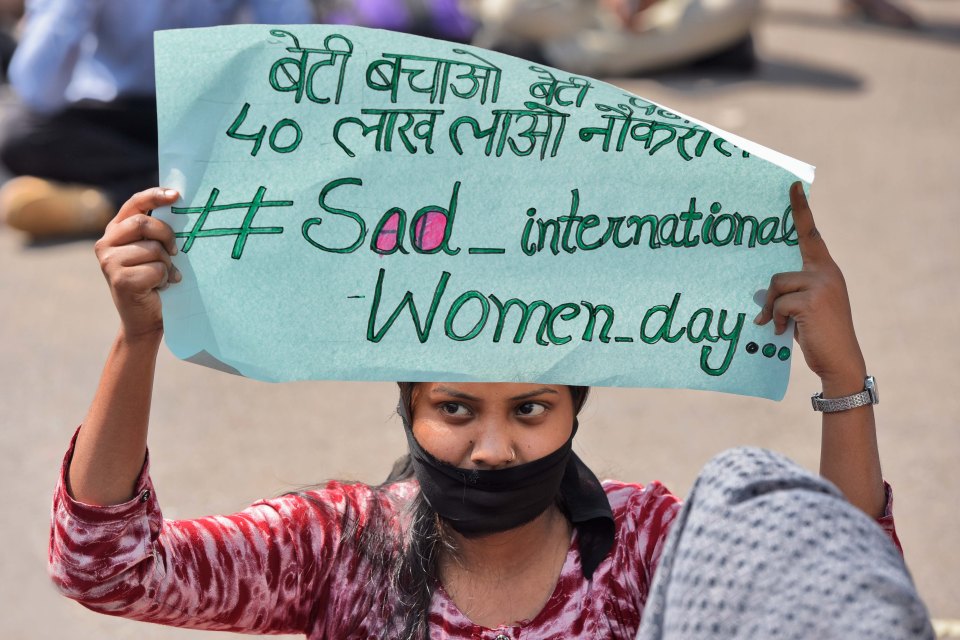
(877, 111)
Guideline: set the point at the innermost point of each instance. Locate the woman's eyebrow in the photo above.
(535, 392)
(454, 392)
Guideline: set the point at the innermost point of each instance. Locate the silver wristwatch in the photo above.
(869, 395)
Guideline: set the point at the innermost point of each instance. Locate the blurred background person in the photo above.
(630, 37)
(83, 135)
(620, 37)
(442, 19)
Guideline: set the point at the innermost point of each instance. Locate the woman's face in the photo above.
(491, 425)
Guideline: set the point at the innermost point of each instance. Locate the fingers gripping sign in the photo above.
(816, 299)
(134, 255)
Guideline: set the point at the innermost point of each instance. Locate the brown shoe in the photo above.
(46, 209)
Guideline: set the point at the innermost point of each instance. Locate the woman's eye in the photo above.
(530, 409)
(454, 409)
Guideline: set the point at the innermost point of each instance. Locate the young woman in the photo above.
(490, 528)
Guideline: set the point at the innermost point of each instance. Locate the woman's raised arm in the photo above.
(134, 255)
(816, 298)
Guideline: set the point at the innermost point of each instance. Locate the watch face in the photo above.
(871, 386)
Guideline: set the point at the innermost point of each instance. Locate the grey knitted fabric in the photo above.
(764, 549)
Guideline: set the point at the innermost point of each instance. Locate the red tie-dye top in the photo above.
(285, 566)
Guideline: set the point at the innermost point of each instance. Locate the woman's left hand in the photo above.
(816, 298)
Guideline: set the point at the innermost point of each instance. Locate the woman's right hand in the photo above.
(134, 255)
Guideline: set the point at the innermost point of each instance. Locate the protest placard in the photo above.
(365, 205)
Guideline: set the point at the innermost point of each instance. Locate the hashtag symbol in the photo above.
(242, 232)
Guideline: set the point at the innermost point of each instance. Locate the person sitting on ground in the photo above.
(84, 134)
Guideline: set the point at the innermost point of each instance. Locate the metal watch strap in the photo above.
(869, 395)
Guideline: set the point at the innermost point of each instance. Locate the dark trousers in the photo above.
(764, 549)
(109, 145)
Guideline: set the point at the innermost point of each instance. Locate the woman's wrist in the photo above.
(148, 340)
(846, 382)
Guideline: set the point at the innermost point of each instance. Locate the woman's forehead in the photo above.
(490, 390)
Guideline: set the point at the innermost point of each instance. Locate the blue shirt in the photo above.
(103, 49)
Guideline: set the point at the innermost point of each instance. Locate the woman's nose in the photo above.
(493, 448)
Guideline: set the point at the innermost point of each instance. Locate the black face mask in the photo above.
(477, 502)
(480, 501)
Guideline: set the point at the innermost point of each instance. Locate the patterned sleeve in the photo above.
(659, 507)
(263, 570)
(643, 517)
(886, 520)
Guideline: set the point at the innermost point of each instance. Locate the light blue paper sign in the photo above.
(365, 205)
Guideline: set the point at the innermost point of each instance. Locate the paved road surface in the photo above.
(877, 112)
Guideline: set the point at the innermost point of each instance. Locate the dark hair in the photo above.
(408, 562)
